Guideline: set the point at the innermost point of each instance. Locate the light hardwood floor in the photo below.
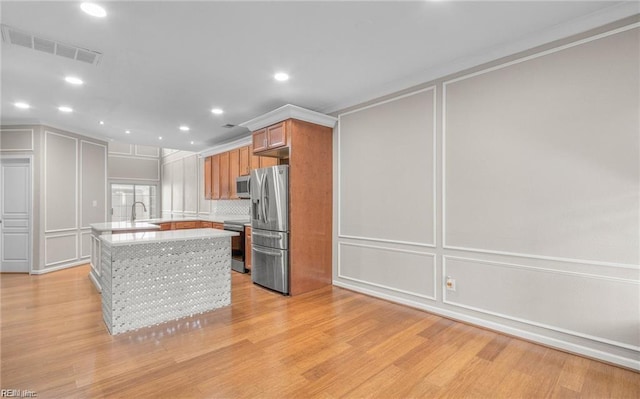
(330, 343)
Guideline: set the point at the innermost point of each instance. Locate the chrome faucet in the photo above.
(133, 210)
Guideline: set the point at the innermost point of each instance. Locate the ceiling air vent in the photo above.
(228, 126)
(26, 39)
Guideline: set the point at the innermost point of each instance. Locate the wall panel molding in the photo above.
(153, 162)
(541, 255)
(433, 187)
(47, 183)
(524, 268)
(105, 154)
(47, 250)
(432, 256)
(4, 132)
(147, 151)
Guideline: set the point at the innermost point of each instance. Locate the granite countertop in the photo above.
(124, 226)
(163, 236)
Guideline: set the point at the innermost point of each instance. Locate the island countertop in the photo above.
(218, 218)
(163, 236)
(124, 226)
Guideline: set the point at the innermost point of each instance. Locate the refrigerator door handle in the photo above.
(267, 252)
(275, 236)
(263, 197)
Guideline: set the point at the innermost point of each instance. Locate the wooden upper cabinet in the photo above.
(245, 162)
(207, 178)
(274, 136)
(234, 172)
(225, 192)
(277, 135)
(260, 140)
(215, 177)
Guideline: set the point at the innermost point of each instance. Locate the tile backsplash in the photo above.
(230, 207)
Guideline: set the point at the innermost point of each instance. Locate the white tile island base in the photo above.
(154, 277)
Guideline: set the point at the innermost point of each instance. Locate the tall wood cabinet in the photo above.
(234, 172)
(208, 178)
(308, 149)
(225, 190)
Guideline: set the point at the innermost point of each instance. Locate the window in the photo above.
(124, 195)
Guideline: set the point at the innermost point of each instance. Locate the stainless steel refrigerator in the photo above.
(270, 227)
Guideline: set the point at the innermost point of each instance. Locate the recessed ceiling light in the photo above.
(192, 142)
(184, 128)
(281, 76)
(127, 131)
(160, 138)
(217, 111)
(73, 80)
(102, 122)
(22, 105)
(93, 9)
(65, 109)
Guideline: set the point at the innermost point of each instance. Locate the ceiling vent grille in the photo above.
(25, 39)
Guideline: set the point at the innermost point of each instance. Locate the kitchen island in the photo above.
(153, 277)
(98, 229)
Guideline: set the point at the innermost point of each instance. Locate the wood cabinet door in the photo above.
(215, 177)
(265, 162)
(259, 140)
(255, 159)
(207, 177)
(277, 135)
(247, 247)
(245, 162)
(225, 191)
(234, 172)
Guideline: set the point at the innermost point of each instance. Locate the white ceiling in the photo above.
(168, 63)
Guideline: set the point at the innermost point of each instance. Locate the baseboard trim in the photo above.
(60, 267)
(516, 332)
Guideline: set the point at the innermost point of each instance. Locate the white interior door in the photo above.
(15, 215)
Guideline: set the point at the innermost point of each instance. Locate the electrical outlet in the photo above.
(450, 283)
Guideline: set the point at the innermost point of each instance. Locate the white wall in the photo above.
(520, 180)
(134, 163)
(180, 183)
(183, 188)
(69, 191)
(73, 196)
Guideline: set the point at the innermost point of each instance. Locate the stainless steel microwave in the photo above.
(243, 187)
